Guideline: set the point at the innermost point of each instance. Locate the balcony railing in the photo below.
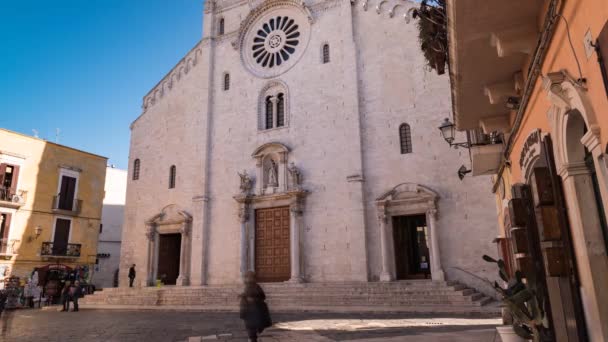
(5, 247)
(11, 198)
(67, 207)
(70, 250)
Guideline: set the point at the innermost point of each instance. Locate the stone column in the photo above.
(151, 237)
(260, 175)
(243, 219)
(282, 172)
(275, 117)
(436, 270)
(183, 278)
(295, 225)
(385, 274)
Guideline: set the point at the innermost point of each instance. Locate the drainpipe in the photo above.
(533, 72)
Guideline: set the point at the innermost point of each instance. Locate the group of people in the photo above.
(71, 292)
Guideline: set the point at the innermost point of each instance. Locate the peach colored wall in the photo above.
(581, 16)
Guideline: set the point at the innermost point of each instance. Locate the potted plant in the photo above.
(522, 305)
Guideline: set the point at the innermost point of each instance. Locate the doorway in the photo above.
(272, 250)
(410, 236)
(169, 247)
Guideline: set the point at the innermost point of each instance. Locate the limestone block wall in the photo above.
(168, 133)
(320, 133)
(397, 87)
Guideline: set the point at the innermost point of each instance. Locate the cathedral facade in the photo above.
(299, 139)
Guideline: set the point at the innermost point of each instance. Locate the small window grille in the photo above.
(325, 53)
(172, 172)
(281, 110)
(226, 81)
(136, 169)
(405, 138)
(221, 28)
(269, 112)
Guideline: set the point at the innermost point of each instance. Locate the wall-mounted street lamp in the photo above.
(37, 233)
(448, 132)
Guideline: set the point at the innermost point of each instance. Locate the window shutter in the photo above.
(2, 171)
(15, 179)
(6, 226)
(602, 54)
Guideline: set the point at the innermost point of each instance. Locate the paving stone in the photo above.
(176, 326)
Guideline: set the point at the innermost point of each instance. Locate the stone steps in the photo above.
(408, 296)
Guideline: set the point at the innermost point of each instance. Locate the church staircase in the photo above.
(419, 296)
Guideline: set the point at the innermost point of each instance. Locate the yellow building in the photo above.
(534, 75)
(50, 205)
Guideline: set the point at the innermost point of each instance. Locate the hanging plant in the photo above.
(432, 33)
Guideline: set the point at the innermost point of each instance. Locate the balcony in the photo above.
(12, 199)
(66, 207)
(70, 250)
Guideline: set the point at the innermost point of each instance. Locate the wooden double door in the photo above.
(272, 244)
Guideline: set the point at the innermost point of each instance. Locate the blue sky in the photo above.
(83, 66)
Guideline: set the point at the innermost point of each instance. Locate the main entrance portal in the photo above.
(169, 246)
(272, 251)
(411, 247)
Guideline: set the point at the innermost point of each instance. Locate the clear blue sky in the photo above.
(83, 66)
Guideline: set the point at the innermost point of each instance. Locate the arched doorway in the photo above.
(579, 159)
(407, 219)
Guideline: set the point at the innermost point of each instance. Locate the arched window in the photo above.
(325, 53)
(221, 27)
(226, 81)
(405, 138)
(280, 110)
(172, 171)
(273, 107)
(269, 116)
(136, 163)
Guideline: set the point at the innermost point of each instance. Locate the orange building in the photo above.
(535, 74)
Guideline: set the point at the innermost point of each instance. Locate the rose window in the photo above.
(275, 42)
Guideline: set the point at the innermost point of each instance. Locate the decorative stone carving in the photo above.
(246, 182)
(243, 213)
(151, 232)
(296, 176)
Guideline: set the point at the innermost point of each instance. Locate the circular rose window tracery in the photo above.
(275, 41)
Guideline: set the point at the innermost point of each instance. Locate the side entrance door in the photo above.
(272, 250)
(169, 246)
(411, 248)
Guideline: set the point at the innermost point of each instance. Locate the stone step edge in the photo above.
(490, 311)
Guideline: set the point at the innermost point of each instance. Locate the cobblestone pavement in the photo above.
(150, 326)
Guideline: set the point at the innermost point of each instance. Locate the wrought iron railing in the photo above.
(70, 250)
(74, 206)
(5, 248)
(8, 195)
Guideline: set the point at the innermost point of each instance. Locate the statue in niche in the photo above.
(296, 176)
(272, 174)
(246, 182)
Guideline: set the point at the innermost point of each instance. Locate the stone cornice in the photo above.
(166, 84)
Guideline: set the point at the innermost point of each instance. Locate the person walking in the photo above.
(65, 296)
(131, 275)
(253, 308)
(75, 294)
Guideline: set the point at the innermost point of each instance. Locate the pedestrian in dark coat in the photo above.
(65, 296)
(75, 294)
(131, 275)
(253, 308)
